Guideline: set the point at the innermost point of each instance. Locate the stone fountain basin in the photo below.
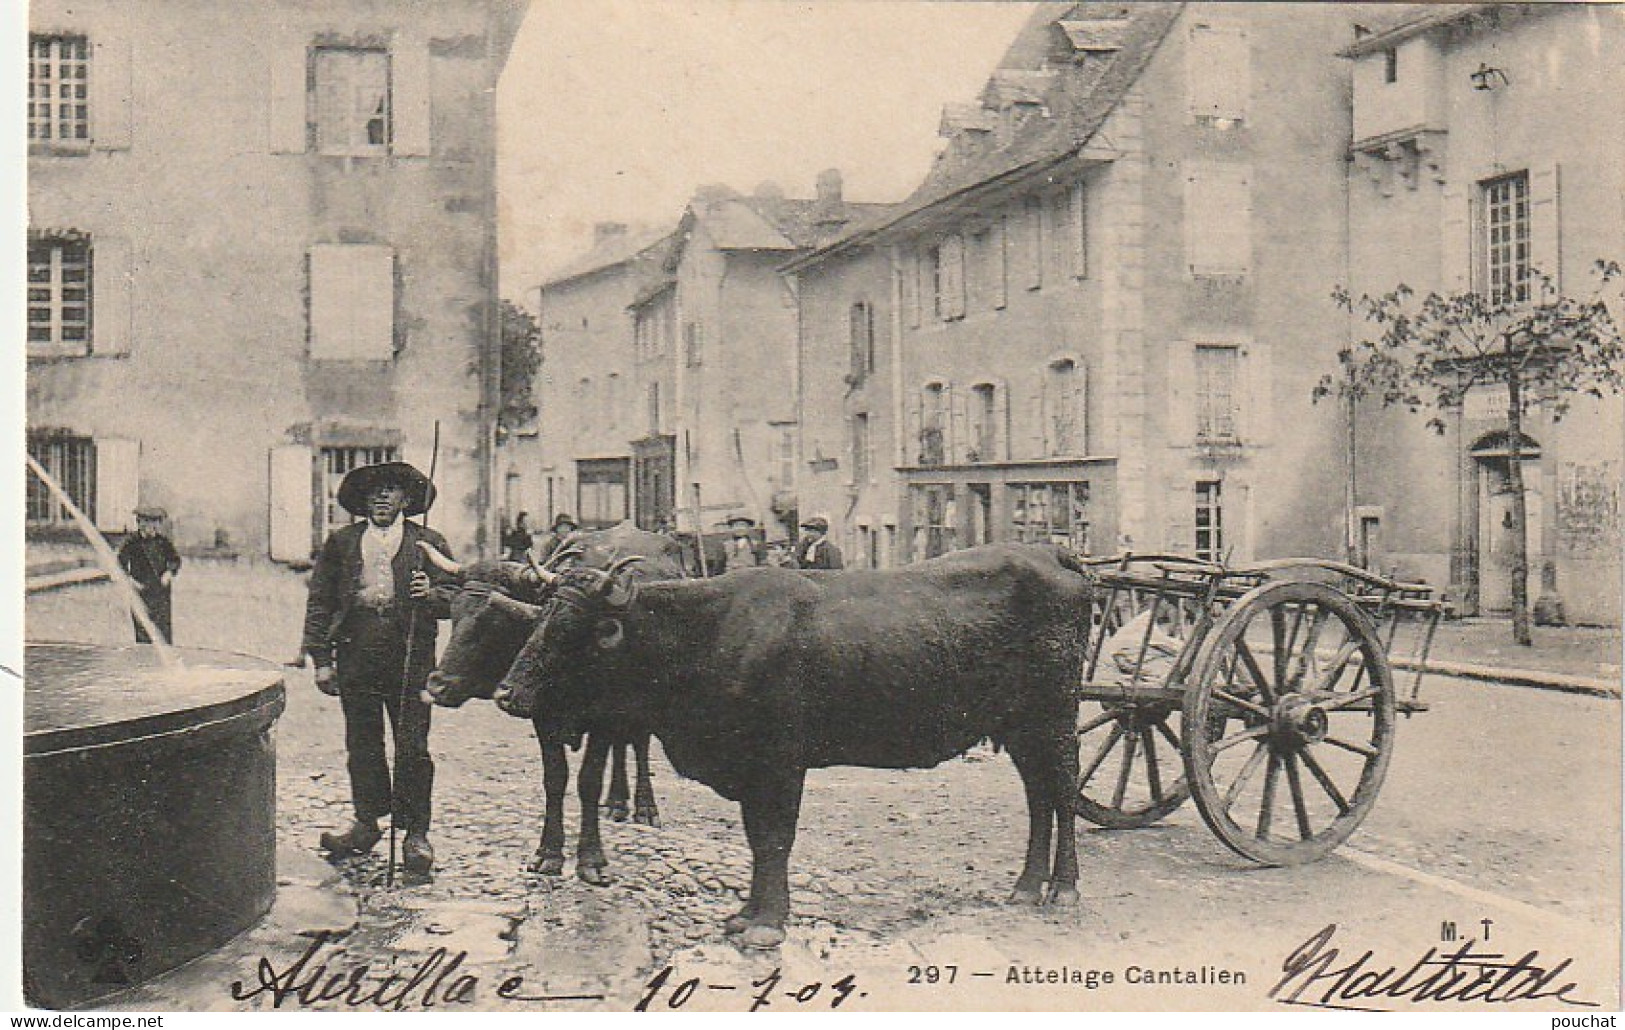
(149, 812)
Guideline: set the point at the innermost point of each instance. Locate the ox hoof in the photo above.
(618, 811)
(761, 938)
(739, 922)
(1063, 895)
(548, 865)
(647, 817)
(592, 875)
(1027, 896)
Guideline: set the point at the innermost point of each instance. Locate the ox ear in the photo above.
(518, 609)
(609, 633)
(620, 588)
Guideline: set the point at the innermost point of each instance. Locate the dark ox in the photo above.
(753, 678)
(492, 617)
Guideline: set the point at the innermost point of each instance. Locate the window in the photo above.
(601, 491)
(1506, 242)
(1001, 262)
(1218, 74)
(654, 408)
(1061, 235)
(862, 458)
(352, 101)
(71, 461)
(984, 422)
(58, 98)
(1216, 368)
(1056, 513)
(933, 425)
(1209, 521)
(948, 258)
(1390, 65)
(58, 294)
(784, 454)
(693, 344)
(1065, 394)
(935, 520)
(352, 302)
(337, 462)
(862, 340)
(1080, 231)
(1033, 227)
(1218, 219)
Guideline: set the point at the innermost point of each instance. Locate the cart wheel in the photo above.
(1289, 722)
(1130, 773)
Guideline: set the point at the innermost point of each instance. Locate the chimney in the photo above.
(767, 189)
(829, 187)
(603, 232)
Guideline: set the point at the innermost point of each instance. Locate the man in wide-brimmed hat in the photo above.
(564, 526)
(744, 550)
(369, 596)
(148, 558)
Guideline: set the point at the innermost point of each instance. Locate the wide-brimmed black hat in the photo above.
(151, 513)
(738, 520)
(565, 519)
(816, 522)
(360, 482)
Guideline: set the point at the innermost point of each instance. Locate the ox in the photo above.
(509, 585)
(751, 679)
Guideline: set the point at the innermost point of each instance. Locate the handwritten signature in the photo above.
(1314, 976)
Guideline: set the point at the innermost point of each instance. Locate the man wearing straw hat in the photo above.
(149, 559)
(368, 598)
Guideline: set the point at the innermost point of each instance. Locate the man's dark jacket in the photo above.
(336, 582)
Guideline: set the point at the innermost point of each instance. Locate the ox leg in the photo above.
(1063, 889)
(770, 813)
(619, 796)
(549, 859)
(1035, 872)
(643, 799)
(590, 860)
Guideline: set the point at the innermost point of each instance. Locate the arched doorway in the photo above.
(1492, 461)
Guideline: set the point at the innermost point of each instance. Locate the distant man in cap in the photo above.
(148, 558)
(563, 526)
(814, 550)
(743, 550)
(368, 595)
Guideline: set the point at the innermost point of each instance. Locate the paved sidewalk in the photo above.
(1581, 659)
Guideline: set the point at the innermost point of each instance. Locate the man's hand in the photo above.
(420, 586)
(166, 579)
(327, 680)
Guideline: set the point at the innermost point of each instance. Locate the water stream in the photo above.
(109, 564)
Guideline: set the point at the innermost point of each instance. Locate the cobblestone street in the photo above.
(893, 873)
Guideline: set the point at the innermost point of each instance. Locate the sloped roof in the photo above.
(1087, 85)
(1409, 20)
(609, 253)
(739, 222)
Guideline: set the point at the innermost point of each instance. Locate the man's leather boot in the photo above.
(357, 840)
(417, 855)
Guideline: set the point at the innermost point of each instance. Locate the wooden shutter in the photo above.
(112, 93)
(960, 440)
(112, 310)
(1000, 263)
(1545, 225)
(1001, 421)
(411, 85)
(1078, 404)
(352, 303)
(912, 441)
(287, 113)
(1218, 219)
(118, 483)
(1219, 71)
(292, 499)
(1181, 394)
(1037, 435)
(910, 274)
(1457, 230)
(1080, 231)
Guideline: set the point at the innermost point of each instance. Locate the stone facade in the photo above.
(287, 216)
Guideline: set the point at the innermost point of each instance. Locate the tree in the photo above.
(521, 358)
(1544, 347)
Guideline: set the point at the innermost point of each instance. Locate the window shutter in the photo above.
(111, 309)
(1457, 230)
(1001, 421)
(951, 277)
(118, 483)
(913, 447)
(412, 87)
(352, 303)
(911, 287)
(1078, 403)
(112, 89)
(961, 442)
(1181, 394)
(288, 113)
(1080, 232)
(1218, 219)
(1033, 235)
(1037, 423)
(1219, 69)
(1546, 225)
(1001, 261)
(292, 500)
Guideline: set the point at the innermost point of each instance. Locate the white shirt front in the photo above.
(378, 550)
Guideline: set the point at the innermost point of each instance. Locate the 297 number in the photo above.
(932, 974)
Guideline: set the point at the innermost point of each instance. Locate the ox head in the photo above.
(488, 628)
(582, 619)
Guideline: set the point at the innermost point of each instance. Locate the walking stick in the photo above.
(407, 694)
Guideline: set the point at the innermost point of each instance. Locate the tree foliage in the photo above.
(521, 358)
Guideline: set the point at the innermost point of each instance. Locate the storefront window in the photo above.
(1056, 513)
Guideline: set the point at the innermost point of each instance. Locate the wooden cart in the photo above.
(1265, 692)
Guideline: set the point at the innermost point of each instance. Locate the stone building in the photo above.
(261, 251)
(1104, 310)
(1486, 147)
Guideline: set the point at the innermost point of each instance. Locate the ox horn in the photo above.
(526, 612)
(622, 589)
(541, 572)
(440, 561)
(571, 549)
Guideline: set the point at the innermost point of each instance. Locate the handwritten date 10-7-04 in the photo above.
(763, 992)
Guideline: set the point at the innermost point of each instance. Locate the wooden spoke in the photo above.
(1242, 703)
(1245, 653)
(1100, 756)
(1153, 774)
(1131, 743)
(1168, 735)
(1339, 665)
(1324, 780)
(1266, 807)
(1253, 761)
(1311, 641)
(1349, 745)
(1296, 784)
(1339, 702)
(1251, 733)
(1096, 723)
